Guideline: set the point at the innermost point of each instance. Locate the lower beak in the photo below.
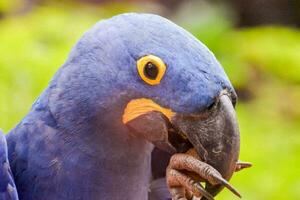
(215, 136)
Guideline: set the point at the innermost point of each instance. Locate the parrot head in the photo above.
(159, 82)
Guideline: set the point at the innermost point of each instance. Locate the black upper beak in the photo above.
(215, 136)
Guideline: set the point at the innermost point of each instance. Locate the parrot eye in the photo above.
(151, 69)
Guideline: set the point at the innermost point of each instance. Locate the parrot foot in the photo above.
(178, 193)
(180, 185)
(186, 171)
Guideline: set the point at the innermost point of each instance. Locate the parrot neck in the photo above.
(123, 162)
(119, 163)
(96, 158)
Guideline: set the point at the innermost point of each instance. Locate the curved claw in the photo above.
(176, 178)
(230, 187)
(205, 171)
(242, 165)
(225, 183)
(204, 192)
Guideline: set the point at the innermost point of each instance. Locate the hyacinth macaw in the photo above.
(132, 83)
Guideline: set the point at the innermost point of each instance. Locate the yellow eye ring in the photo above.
(151, 69)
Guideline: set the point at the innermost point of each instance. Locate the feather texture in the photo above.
(73, 144)
(8, 189)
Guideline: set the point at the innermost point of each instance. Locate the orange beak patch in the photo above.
(138, 107)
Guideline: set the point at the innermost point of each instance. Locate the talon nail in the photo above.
(245, 164)
(231, 188)
(205, 193)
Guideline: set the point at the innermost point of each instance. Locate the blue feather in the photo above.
(73, 144)
(8, 189)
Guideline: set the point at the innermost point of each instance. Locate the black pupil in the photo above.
(151, 71)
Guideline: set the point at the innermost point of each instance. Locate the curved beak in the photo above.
(215, 136)
(214, 133)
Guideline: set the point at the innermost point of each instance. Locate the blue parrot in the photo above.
(132, 83)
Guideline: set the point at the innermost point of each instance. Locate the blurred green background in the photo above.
(257, 42)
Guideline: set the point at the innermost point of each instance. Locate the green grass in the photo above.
(265, 61)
